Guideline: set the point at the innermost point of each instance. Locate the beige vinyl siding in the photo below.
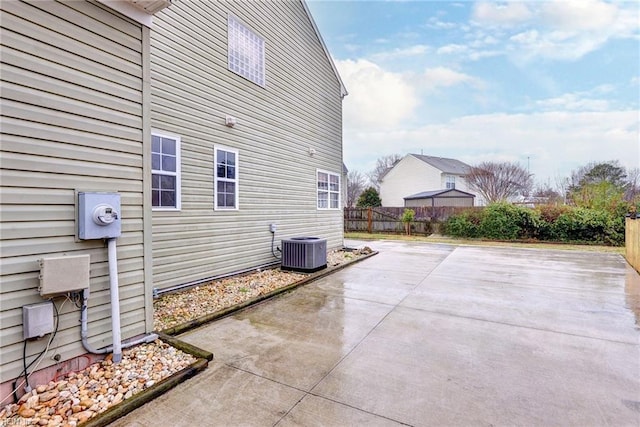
(72, 120)
(299, 108)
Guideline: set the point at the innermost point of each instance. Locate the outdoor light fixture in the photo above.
(230, 121)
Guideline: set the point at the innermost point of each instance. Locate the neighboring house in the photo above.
(439, 198)
(249, 104)
(416, 173)
(96, 98)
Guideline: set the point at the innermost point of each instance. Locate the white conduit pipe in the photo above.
(115, 313)
(115, 300)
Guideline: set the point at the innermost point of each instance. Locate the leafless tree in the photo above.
(562, 187)
(597, 172)
(549, 195)
(356, 183)
(632, 192)
(383, 164)
(499, 181)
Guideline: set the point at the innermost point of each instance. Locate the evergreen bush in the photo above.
(502, 221)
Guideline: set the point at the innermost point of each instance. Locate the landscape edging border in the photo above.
(156, 390)
(192, 324)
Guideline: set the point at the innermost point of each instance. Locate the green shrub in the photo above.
(589, 226)
(503, 221)
(466, 224)
(548, 215)
(408, 216)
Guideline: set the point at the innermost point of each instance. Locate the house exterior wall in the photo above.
(409, 176)
(72, 108)
(298, 109)
(461, 183)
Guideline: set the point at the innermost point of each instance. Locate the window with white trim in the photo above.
(165, 172)
(328, 190)
(226, 179)
(246, 52)
(450, 182)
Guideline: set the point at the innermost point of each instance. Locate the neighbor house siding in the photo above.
(461, 183)
(409, 176)
(299, 108)
(71, 120)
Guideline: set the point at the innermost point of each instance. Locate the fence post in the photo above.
(370, 220)
(632, 241)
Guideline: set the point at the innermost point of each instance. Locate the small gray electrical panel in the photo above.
(98, 215)
(37, 320)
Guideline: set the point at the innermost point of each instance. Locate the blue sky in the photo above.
(549, 84)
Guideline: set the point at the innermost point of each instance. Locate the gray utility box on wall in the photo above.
(37, 320)
(98, 215)
(305, 254)
(61, 275)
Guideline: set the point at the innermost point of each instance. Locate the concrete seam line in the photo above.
(147, 395)
(194, 323)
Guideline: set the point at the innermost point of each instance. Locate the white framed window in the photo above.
(225, 179)
(328, 190)
(450, 181)
(246, 51)
(165, 171)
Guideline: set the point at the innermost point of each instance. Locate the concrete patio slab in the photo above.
(220, 396)
(579, 294)
(433, 369)
(313, 411)
(426, 335)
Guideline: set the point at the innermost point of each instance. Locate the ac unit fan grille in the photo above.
(305, 254)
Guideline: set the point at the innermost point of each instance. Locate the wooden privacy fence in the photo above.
(387, 219)
(632, 241)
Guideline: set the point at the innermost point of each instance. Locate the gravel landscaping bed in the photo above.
(181, 307)
(83, 395)
(80, 397)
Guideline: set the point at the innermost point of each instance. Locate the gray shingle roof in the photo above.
(445, 165)
(427, 194)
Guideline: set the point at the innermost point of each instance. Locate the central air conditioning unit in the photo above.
(305, 254)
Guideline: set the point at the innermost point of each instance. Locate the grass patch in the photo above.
(436, 238)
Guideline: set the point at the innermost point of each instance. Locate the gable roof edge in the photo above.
(443, 164)
(343, 89)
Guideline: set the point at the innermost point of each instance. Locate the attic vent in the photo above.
(306, 254)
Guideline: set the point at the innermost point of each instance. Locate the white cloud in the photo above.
(579, 15)
(505, 14)
(555, 142)
(452, 49)
(578, 101)
(572, 102)
(415, 50)
(377, 97)
(559, 45)
(446, 77)
(436, 23)
(563, 30)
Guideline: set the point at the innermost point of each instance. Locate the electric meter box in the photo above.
(98, 215)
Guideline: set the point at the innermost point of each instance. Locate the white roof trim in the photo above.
(343, 89)
(130, 11)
